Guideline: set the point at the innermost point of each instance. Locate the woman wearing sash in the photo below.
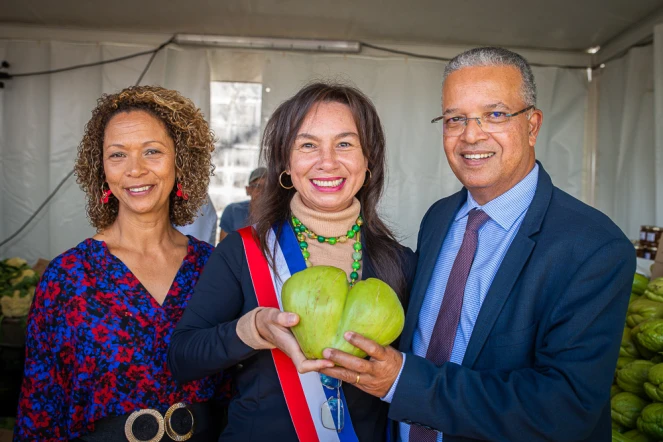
(325, 154)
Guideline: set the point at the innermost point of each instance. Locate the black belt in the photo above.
(180, 422)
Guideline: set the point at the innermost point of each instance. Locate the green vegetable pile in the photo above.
(17, 287)
(637, 394)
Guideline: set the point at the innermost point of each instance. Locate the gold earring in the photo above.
(370, 175)
(281, 182)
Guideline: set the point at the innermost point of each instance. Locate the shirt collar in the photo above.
(506, 208)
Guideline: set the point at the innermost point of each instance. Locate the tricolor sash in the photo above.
(304, 393)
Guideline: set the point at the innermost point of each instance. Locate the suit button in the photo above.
(407, 421)
(240, 366)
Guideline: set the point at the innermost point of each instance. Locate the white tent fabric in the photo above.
(657, 197)
(626, 153)
(406, 93)
(42, 119)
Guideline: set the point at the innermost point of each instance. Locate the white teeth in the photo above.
(139, 189)
(334, 183)
(478, 156)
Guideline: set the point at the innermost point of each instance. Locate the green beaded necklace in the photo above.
(303, 232)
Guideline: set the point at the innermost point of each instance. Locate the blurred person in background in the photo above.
(236, 215)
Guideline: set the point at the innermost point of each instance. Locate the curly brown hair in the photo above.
(186, 125)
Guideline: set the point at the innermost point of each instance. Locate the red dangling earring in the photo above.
(180, 193)
(105, 194)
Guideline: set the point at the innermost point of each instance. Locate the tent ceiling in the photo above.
(538, 24)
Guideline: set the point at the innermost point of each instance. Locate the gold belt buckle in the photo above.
(128, 426)
(169, 429)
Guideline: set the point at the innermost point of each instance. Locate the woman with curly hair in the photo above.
(324, 149)
(104, 311)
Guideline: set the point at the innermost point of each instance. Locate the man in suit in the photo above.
(517, 309)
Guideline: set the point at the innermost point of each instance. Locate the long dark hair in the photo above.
(273, 204)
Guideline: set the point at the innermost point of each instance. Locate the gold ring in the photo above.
(357, 381)
(174, 435)
(128, 426)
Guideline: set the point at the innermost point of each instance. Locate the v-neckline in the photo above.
(153, 300)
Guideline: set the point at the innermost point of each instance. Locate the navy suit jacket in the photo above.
(542, 354)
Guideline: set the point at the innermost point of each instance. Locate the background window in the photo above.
(235, 119)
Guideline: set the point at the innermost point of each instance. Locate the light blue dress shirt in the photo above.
(506, 215)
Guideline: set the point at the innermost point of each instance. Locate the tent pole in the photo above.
(591, 140)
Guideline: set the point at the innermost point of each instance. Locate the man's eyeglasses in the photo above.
(332, 412)
(490, 122)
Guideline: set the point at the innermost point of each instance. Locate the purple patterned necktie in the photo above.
(444, 332)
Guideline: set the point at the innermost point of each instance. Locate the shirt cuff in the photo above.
(390, 394)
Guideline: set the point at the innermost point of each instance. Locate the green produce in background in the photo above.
(649, 334)
(654, 290)
(17, 287)
(642, 310)
(16, 262)
(654, 386)
(632, 377)
(644, 351)
(10, 269)
(637, 436)
(627, 348)
(622, 362)
(616, 428)
(625, 408)
(17, 304)
(25, 278)
(650, 421)
(328, 308)
(639, 284)
(618, 437)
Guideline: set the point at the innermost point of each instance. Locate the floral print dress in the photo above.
(97, 344)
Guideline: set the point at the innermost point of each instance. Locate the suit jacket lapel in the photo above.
(515, 260)
(509, 271)
(428, 247)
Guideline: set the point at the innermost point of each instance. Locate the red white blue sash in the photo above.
(304, 393)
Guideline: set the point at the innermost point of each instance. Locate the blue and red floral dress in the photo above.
(97, 343)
